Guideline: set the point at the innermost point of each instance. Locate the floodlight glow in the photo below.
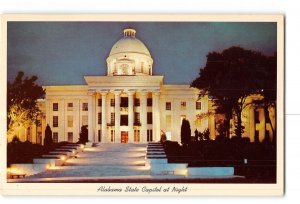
(63, 158)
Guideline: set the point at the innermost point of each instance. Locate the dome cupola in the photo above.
(129, 56)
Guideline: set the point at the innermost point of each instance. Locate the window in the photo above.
(124, 102)
(136, 135)
(183, 105)
(84, 120)
(100, 102)
(70, 137)
(112, 118)
(142, 67)
(55, 106)
(39, 138)
(55, 137)
(28, 136)
(115, 69)
(136, 102)
(124, 120)
(168, 105)
(137, 118)
(149, 118)
(85, 107)
(149, 136)
(112, 135)
(112, 102)
(99, 118)
(55, 121)
(149, 101)
(198, 105)
(256, 136)
(70, 107)
(70, 121)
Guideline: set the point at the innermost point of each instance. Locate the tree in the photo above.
(22, 108)
(185, 132)
(229, 78)
(48, 141)
(83, 136)
(267, 82)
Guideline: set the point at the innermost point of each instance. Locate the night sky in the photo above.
(63, 52)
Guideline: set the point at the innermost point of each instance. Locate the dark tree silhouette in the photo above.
(22, 95)
(48, 141)
(185, 132)
(83, 136)
(229, 78)
(267, 82)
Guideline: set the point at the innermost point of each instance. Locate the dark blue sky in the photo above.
(63, 52)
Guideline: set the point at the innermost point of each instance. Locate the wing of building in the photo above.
(129, 104)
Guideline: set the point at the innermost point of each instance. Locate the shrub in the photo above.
(84, 134)
(185, 132)
(23, 152)
(48, 141)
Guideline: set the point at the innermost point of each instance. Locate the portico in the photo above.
(123, 103)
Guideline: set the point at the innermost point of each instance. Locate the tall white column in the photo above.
(48, 112)
(252, 123)
(156, 116)
(91, 122)
(117, 118)
(130, 117)
(143, 117)
(212, 130)
(262, 133)
(103, 117)
(96, 117)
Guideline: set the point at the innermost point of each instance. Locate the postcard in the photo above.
(148, 105)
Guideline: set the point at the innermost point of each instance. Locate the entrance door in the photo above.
(124, 136)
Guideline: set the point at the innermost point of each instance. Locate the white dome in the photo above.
(129, 56)
(129, 45)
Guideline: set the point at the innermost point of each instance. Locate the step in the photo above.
(94, 171)
(104, 161)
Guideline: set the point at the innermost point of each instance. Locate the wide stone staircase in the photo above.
(104, 160)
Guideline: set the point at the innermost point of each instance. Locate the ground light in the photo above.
(48, 166)
(182, 172)
(12, 170)
(63, 158)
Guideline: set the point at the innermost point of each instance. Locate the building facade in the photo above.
(129, 104)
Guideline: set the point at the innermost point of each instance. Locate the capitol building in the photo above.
(129, 104)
